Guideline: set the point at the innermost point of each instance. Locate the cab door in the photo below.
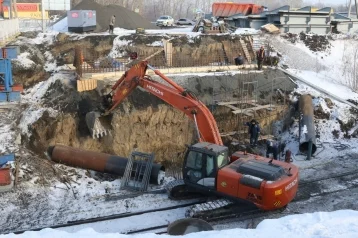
(200, 170)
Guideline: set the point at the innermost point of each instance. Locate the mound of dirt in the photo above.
(124, 18)
(315, 42)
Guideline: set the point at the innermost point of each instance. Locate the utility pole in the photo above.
(349, 8)
(356, 9)
(43, 16)
(15, 7)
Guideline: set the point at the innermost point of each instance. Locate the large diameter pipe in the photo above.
(307, 128)
(99, 162)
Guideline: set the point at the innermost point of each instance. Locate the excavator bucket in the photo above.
(98, 124)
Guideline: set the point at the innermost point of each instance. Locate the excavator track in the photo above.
(208, 209)
(178, 190)
(222, 209)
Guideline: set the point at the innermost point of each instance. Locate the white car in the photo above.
(184, 21)
(165, 21)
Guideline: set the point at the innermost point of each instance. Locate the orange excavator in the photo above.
(207, 168)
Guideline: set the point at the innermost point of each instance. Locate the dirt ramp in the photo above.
(124, 18)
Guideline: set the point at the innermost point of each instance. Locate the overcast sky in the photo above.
(328, 2)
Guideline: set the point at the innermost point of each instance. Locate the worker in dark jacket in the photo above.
(239, 60)
(260, 56)
(272, 148)
(254, 131)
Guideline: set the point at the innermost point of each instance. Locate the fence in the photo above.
(32, 24)
(8, 30)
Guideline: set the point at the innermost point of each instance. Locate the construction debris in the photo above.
(271, 28)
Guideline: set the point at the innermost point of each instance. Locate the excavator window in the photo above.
(223, 159)
(201, 168)
(194, 160)
(209, 165)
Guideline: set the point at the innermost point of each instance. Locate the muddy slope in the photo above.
(141, 122)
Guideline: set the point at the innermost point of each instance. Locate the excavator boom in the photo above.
(174, 95)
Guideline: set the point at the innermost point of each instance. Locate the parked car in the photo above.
(184, 21)
(165, 21)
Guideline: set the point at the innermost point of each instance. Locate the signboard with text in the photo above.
(29, 15)
(25, 7)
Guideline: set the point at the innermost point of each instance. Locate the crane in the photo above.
(207, 167)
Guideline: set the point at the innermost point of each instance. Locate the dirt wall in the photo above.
(141, 122)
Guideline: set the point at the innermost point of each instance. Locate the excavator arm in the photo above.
(173, 94)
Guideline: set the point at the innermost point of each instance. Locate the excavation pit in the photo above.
(146, 123)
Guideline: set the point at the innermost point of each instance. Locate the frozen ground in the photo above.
(37, 204)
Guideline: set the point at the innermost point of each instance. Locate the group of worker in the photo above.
(272, 146)
(260, 56)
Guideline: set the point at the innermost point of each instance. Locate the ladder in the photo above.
(246, 51)
(137, 173)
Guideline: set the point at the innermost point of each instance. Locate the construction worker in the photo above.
(239, 60)
(272, 148)
(111, 24)
(254, 131)
(260, 56)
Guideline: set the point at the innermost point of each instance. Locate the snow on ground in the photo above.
(248, 31)
(34, 97)
(338, 224)
(320, 80)
(335, 64)
(61, 26)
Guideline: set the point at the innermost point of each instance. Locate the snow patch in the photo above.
(51, 63)
(156, 43)
(116, 51)
(24, 60)
(31, 115)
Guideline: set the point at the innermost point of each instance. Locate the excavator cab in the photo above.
(201, 165)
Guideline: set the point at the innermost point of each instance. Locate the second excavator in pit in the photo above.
(207, 167)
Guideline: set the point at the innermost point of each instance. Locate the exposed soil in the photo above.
(141, 121)
(124, 18)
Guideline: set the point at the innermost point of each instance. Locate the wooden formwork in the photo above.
(86, 85)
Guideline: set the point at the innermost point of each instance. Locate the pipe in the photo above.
(99, 162)
(307, 128)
